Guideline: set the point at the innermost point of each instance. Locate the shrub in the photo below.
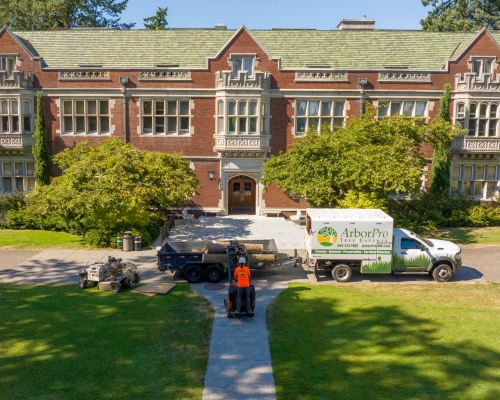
(355, 199)
(428, 212)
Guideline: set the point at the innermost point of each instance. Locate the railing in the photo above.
(226, 80)
(165, 230)
(474, 144)
(16, 141)
(16, 80)
(242, 142)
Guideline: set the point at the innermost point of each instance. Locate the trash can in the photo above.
(137, 243)
(119, 242)
(128, 241)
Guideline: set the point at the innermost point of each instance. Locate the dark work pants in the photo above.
(245, 290)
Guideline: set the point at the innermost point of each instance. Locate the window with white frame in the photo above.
(245, 64)
(477, 180)
(8, 64)
(482, 65)
(244, 116)
(313, 114)
(11, 113)
(17, 176)
(406, 108)
(85, 117)
(165, 117)
(483, 118)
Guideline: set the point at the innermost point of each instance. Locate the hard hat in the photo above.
(242, 260)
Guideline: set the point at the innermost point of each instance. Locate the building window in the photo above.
(481, 66)
(244, 64)
(313, 114)
(483, 119)
(161, 117)
(243, 117)
(17, 176)
(85, 117)
(8, 64)
(406, 108)
(11, 114)
(476, 180)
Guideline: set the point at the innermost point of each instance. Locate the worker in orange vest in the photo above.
(242, 278)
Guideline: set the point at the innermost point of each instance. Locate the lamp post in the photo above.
(124, 81)
(362, 82)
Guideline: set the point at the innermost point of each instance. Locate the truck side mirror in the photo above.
(423, 248)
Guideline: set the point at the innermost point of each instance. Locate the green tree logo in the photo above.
(327, 236)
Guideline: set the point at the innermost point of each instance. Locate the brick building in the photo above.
(228, 99)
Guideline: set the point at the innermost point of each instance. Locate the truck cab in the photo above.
(413, 253)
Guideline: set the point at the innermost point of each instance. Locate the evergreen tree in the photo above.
(54, 14)
(439, 180)
(461, 15)
(40, 148)
(158, 21)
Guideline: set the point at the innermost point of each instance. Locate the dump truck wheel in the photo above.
(442, 273)
(193, 274)
(213, 274)
(115, 287)
(342, 273)
(83, 283)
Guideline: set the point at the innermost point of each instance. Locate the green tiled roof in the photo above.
(189, 48)
(362, 49)
(127, 48)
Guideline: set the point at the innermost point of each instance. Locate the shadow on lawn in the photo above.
(377, 352)
(60, 342)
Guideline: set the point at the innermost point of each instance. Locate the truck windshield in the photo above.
(427, 242)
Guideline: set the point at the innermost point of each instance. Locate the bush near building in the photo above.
(106, 190)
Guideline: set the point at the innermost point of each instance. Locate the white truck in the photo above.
(340, 240)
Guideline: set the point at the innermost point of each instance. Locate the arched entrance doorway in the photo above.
(241, 195)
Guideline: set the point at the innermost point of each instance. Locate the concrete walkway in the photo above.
(239, 364)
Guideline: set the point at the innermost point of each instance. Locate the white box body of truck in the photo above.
(362, 235)
(338, 240)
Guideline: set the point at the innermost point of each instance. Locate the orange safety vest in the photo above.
(242, 275)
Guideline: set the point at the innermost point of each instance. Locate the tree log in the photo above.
(221, 247)
(217, 258)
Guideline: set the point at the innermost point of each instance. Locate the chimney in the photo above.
(356, 25)
(220, 27)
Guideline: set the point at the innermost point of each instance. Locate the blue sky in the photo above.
(267, 14)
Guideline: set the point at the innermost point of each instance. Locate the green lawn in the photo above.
(61, 342)
(436, 341)
(489, 235)
(34, 239)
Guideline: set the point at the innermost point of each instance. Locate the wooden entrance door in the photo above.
(241, 195)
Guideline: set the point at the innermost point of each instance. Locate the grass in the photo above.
(386, 342)
(61, 342)
(490, 235)
(35, 239)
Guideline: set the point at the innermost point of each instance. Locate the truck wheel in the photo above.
(115, 287)
(193, 274)
(83, 283)
(213, 274)
(442, 273)
(341, 273)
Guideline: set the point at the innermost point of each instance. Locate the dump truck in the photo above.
(202, 259)
(339, 241)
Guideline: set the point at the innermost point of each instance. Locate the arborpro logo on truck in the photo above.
(328, 236)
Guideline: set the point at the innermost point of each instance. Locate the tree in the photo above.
(367, 156)
(54, 14)
(108, 189)
(158, 21)
(439, 179)
(40, 148)
(461, 15)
